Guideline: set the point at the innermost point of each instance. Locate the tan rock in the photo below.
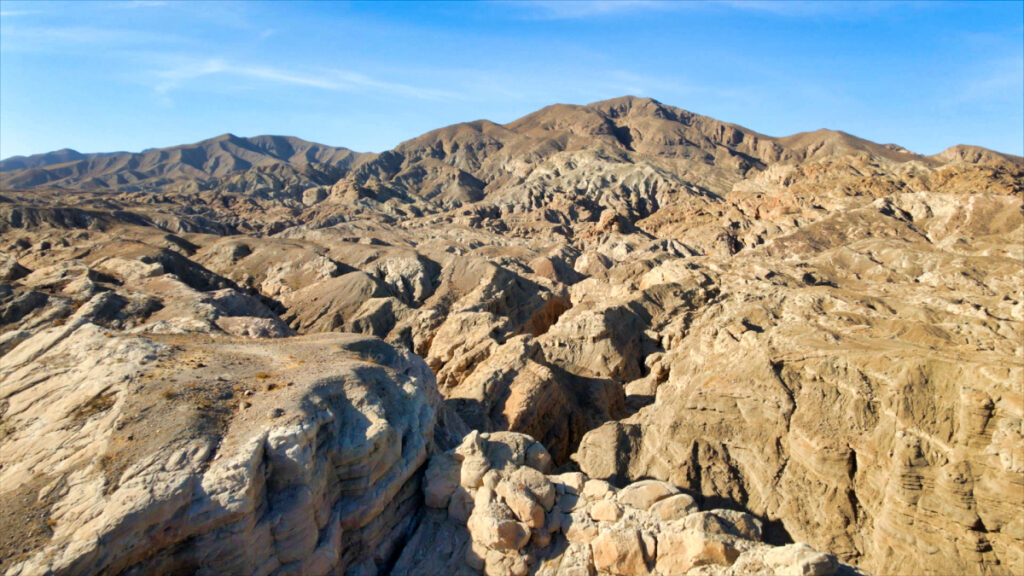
(568, 502)
(674, 507)
(537, 457)
(678, 552)
(576, 560)
(505, 564)
(515, 388)
(596, 490)
(538, 486)
(641, 495)
(579, 528)
(605, 511)
(571, 482)
(621, 552)
(139, 471)
(472, 471)
(521, 502)
(494, 526)
(492, 478)
(740, 523)
(728, 522)
(460, 505)
(476, 556)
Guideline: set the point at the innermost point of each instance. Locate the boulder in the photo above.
(623, 553)
(800, 560)
(494, 525)
(643, 494)
(605, 511)
(521, 502)
(674, 507)
(678, 552)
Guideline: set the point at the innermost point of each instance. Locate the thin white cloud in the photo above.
(324, 79)
(134, 4)
(55, 39)
(143, 3)
(576, 9)
(582, 9)
(799, 8)
(998, 80)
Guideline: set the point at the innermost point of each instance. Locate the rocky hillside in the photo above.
(201, 165)
(651, 342)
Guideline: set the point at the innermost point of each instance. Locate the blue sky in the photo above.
(132, 75)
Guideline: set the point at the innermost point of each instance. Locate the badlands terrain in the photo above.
(619, 338)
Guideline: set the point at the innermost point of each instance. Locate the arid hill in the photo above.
(198, 165)
(619, 338)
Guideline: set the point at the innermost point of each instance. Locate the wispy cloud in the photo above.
(997, 80)
(58, 38)
(583, 9)
(576, 9)
(323, 79)
(804, 8)
(135, 4)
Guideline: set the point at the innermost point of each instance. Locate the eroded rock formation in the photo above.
(818, 332)
(504, 515)
(161, 454)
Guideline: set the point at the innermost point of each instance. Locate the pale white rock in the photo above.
(800, 560)
(674, 507)
(440, 480)
(641, 495)
(572, 482)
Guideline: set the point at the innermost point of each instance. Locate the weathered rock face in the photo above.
(515, 388)
(125, 454)
(859, 381)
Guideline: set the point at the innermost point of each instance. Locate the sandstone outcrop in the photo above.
(170, 455)
(875, 425)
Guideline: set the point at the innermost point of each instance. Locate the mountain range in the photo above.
(629, 128)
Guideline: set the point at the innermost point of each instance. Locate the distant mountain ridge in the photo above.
(213, 158)
(631, 125)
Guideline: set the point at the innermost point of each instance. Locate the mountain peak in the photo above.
(627, 100)
(632, 106)
(226, 137)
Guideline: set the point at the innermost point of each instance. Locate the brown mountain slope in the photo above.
(206, 160)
